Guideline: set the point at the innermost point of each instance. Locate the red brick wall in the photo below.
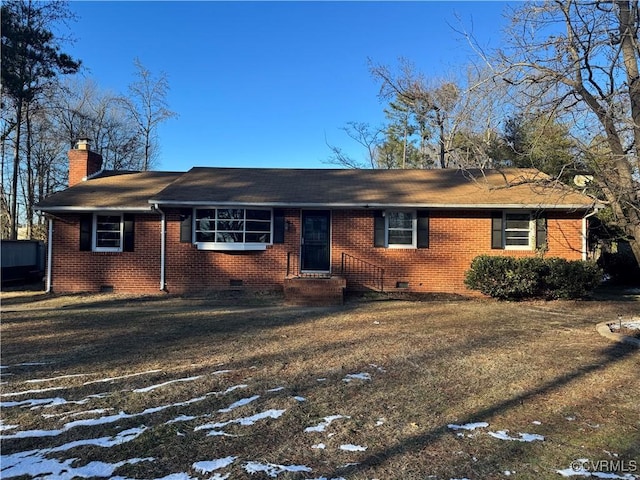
(76, 271)
(456, 237)
(82, 163)
(190, 269)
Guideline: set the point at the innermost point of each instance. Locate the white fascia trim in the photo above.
(475, 206)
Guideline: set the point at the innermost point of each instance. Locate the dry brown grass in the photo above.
(431, 364)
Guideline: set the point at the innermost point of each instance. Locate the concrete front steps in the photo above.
(314, 291)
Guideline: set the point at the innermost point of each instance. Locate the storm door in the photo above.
(315, 242)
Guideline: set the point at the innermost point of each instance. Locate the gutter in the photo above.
(457, 206)
(97, 208)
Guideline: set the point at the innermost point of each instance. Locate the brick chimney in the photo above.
(83, 162)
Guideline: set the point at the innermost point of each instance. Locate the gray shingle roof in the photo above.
(509, 188)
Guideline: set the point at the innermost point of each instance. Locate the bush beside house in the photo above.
(532, 277)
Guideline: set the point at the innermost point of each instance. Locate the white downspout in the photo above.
(163, 246)
(49, 254)
(585, 233)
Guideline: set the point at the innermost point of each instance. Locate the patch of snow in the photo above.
(239, 403)
(349, 447)
(37, 465)
(32, 434)
(364, 376)
(111, 379)
(524, 437)
(578, 469)
(38, 390)
(245, 421)
(160, 385)
(181, 418)
(221, 372)
(325, 478)
(4, 427)
(380, 421)
(211, 465)
(326, 421)
(50, 379)
(277, 389)
(299, 399)
(272, 469)
(319, 446)
(632, 325)
(32, 402)
(468, 426)
(172, 476)
(536, 422)
(323, 379)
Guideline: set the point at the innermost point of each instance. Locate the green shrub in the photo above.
(571, 279)
(516, 278)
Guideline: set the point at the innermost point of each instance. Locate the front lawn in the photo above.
(104, 386)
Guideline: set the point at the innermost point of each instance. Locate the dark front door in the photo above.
(316, 234)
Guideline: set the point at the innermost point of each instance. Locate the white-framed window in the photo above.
(231, 228)
(401, 226)
(519, 231)
(108, 232)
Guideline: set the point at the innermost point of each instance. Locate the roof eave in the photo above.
(474, 206)
(96, 208)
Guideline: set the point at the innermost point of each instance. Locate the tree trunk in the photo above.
(14, 180)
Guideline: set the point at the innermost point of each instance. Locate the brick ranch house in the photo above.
(221, 228)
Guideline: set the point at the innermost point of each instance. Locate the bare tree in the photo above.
(366, 136)
(580, 61)
(147, 104)
(31, 59)
(431, 104)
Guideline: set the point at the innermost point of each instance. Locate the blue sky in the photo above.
(265, 83)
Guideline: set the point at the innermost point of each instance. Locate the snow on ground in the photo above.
(630, 324)
(164, 384)
(38, 463)
(326, 421)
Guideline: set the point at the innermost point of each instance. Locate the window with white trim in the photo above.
(519, 231)
(108, 231)
(401, 228)
(233, 228)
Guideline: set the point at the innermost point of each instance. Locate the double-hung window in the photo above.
(518, 230)
(108, 232)
(401, 228)
(233, 228)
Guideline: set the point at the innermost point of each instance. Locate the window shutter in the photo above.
(423, 229)
(541, 232)
(497, 231)
(185, 226)
(278, 226)
(86, 229)
(378, 229)
(129, 228)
